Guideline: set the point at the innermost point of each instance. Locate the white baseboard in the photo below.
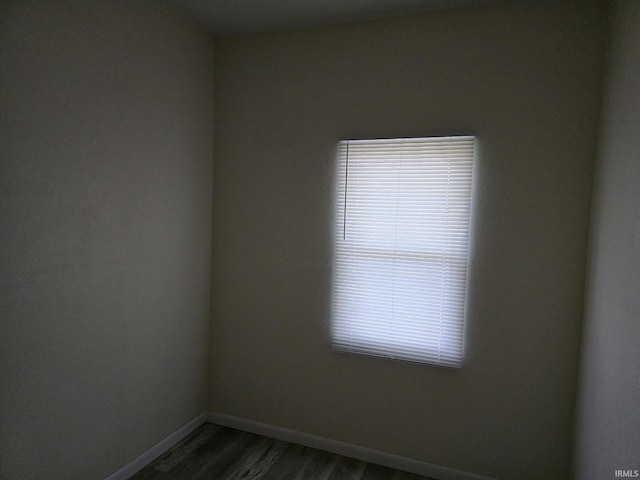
(158, 449)
(342, 448)
(293, 436)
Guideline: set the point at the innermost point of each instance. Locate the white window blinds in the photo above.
(401, 248)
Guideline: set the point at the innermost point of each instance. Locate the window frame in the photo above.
(379, 344)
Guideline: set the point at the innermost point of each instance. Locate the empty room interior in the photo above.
(168, 231)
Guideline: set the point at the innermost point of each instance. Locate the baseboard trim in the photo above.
(342, 448)
(158, 449)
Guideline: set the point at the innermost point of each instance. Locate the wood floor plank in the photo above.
(174, 456)
(347, 469)
(378, 472)
(219, 453)
(213, 456)
(228, 460)
(319, 466)
(410, 476)
(289, 464)
(160, 468)
(259, 460)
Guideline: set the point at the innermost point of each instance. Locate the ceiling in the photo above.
(232, 17)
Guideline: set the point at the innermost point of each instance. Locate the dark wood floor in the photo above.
(213, 452)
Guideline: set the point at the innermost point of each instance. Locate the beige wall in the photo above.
(105, 226)
(608, 427)
(525, 78)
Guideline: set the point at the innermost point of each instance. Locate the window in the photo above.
(401, 248)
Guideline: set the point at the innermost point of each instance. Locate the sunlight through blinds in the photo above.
(401, 248)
